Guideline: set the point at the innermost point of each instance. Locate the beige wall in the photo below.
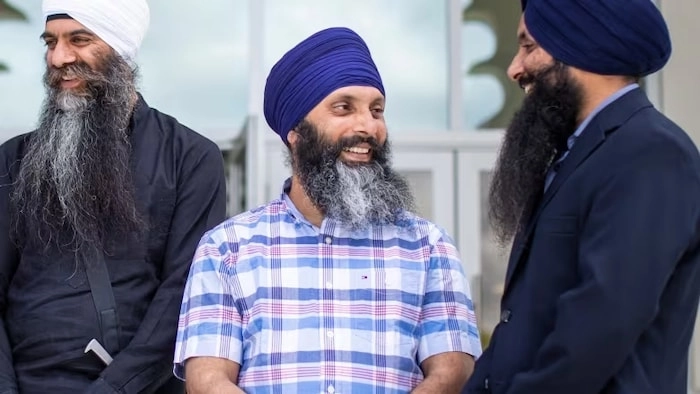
(680, 87)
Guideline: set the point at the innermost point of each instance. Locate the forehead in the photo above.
(358, 93)
(65, 26)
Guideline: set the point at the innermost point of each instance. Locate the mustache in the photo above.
(543, 76)
(80, 70)
(377, 150)
(351, 141)
(528, 79)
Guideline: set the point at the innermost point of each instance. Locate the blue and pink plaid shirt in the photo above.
(304, 309)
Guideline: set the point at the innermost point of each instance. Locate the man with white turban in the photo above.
(101, 209)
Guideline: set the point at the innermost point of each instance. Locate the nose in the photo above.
(369, 124)
(515, 69)
(60, 55)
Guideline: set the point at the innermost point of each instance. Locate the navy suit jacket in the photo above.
(603, 281)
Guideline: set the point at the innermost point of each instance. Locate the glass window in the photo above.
(488, 46)
(192, 64)
(21, 51)
(408, 40)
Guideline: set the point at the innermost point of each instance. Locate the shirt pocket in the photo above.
(388, 311)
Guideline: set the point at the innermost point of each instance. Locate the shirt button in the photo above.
(329, 285)
(330, 334)
(329, 240)
(505, 316)
(331, 389)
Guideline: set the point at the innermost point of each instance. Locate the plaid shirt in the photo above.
(309, 310)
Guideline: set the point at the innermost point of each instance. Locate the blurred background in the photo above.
(443, 63)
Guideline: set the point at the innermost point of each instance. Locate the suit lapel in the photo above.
(605, 122)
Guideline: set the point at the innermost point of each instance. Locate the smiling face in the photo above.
(341, 160)
(353, 113)
(70, 47)
(530, 60)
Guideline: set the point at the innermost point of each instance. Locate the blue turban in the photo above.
(326, 61)
(609, 37)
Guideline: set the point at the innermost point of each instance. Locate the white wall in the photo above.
(680, 83)
(680, 86)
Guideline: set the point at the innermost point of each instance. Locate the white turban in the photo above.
(122, 24)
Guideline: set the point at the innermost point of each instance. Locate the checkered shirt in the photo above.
(304, 309)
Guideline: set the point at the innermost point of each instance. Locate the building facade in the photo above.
(448, 98)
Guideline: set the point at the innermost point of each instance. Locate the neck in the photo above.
(303, 203)
(597, 88)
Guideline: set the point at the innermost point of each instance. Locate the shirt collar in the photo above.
(289, 205)
(139, 113)
(609, 100)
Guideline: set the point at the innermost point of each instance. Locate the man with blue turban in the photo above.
(335, 287)
(600, 194)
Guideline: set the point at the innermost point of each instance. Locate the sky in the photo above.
(194, 64)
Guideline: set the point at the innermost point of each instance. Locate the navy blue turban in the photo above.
(326, 61)
(609, 37)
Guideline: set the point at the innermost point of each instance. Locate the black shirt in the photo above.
(48, 315)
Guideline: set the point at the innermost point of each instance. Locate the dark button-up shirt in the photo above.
(48, 315)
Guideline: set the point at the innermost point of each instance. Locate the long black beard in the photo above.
(358, 195)
(538, 131)
(75, 187)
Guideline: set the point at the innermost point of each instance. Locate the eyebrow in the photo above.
(522, 36)
(46, 34)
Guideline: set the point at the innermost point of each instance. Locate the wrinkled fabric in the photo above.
(324, 62)
(609, 37)
(122, 24)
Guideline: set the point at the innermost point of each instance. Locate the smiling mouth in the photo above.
(69, 77)
(358, 150)
(526, 83)
(69, 82)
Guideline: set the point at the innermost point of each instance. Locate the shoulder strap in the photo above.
(103, 297)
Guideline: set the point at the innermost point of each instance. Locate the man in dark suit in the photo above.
(600, 193)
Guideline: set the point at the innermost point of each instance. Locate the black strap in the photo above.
(103, 297)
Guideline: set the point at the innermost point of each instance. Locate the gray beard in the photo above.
(75, 186)
(363, 196)
(357, 195)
